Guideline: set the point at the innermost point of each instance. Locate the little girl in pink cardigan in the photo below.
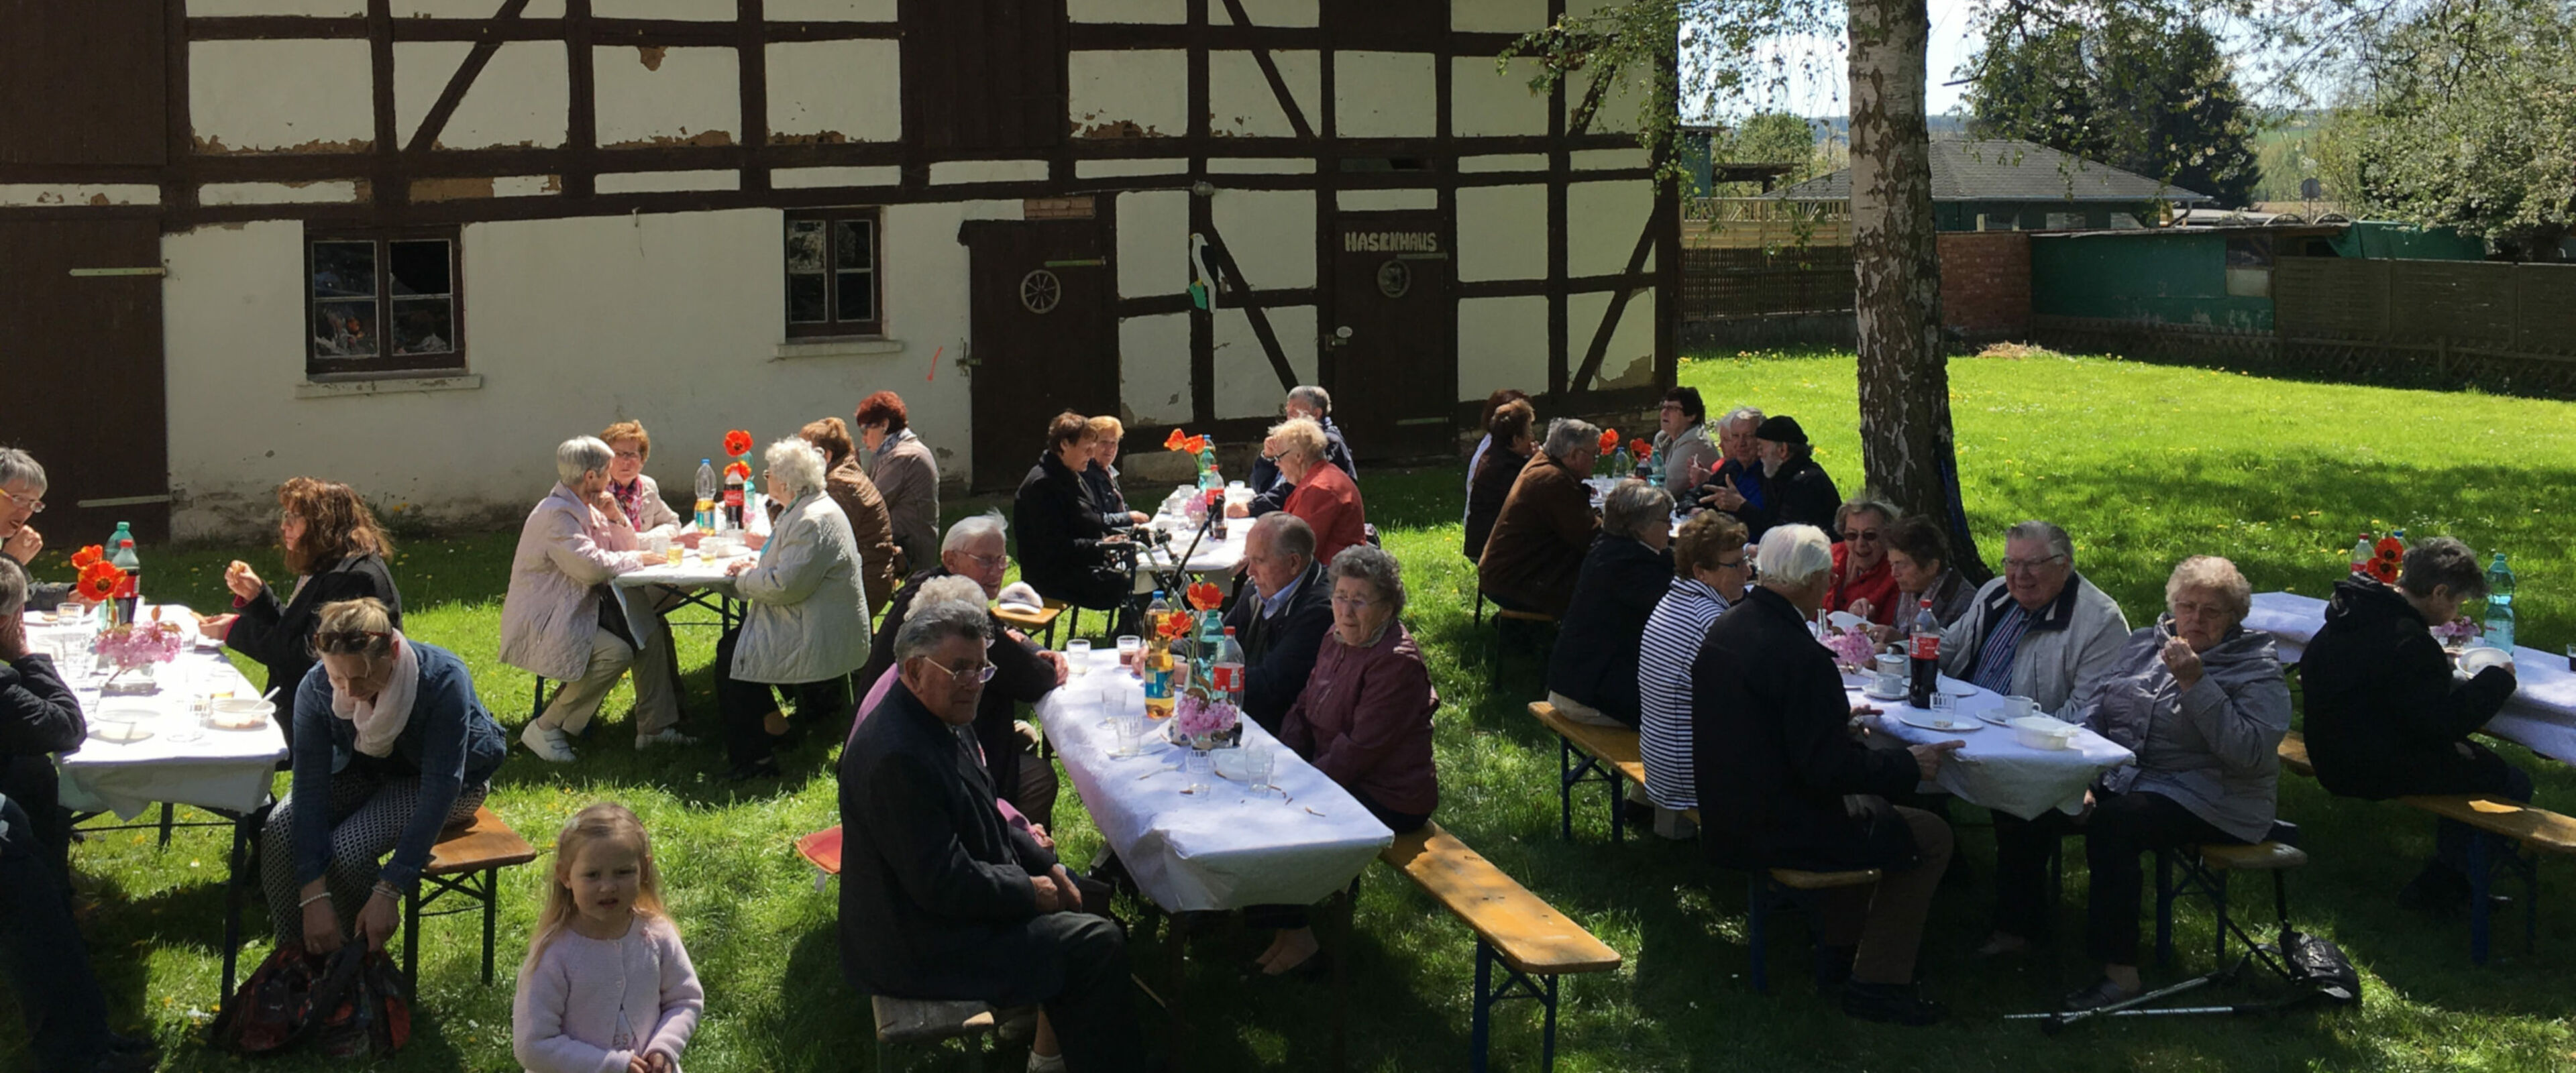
(607, 988)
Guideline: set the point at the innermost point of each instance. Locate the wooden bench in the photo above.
(1534, 943)
(930, 1022)
(822, 849)
(2293, 751)
(2205, 870)
(2511, 823)
(1033, 622)
(1590, 753)
(466, 862)
(1503, 618)
(1757, 913)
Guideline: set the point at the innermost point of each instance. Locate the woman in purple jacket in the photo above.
(1364, 719)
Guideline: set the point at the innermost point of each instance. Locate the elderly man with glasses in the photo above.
(977, 547)
(1281, 628)
(1864, 584)
(941, 898)
(22, 497)
(2039, 631)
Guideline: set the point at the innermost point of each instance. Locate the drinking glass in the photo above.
(1077, 654)
(1130, 646)
(1131, 731)
(1257, 763)
(672, 555)
(1196, 766)
(2571, 657)
(1943, 706)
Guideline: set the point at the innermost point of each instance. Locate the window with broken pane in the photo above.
(833, 263)
(383, 302)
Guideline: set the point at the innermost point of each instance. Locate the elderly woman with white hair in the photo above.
(806, 627)
(1784, 783)
(1320, 492)
(1592, 673)
(2200, 700)
(561, 621)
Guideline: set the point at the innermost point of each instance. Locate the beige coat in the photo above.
(807, 619)
(908, 477)
(568, 551)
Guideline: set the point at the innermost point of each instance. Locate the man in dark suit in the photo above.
(1023, 673)
(942, 899)
(1784, 783)
(1284, 621)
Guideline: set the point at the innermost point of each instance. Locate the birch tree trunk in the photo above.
(1906, 447)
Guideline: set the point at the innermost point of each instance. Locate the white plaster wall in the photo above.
(850, 88)
(987, 171)
(472, 9)
(1113, 169)
(1246, 385)
(875, 175)
(1154, 369)
(1153, 243)
(1503, 162)
(1241, 102)
(1385, 95)
(1502, 232)
(659, 182)
(276, 193)
(522, 97)
(1599, 159)
(1486, 103)
(689, 92)
(1128, 11)
(1629, 361)
(663, 9)
(278, 7)
(668, 319)
(1502, 342)
(258, 95)
(1497, 16)
(1271, 234)
(1602, 222)
(51, 194)
(1149, 88)
(1388, 200)
(829, 10)
(1618, 112)
(1269, 12)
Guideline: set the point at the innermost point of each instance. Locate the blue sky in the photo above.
(1821, 92)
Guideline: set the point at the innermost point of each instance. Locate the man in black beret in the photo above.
(1796, 491)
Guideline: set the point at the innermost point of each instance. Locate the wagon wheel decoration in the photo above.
(1040, 291)
(1393, 279)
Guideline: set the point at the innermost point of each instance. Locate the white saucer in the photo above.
(1872, 693)
(1926, 722)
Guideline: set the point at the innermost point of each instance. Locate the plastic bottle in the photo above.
(1923, 651)
(733, 499)
(2361, 554)
(1227, 676)
(1217, 528)
(2499, 617)
(1157, 671)
(707, 486)
(130, 590)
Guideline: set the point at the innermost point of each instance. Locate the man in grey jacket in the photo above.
(2039, 631)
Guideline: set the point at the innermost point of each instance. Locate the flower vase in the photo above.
(135, 680)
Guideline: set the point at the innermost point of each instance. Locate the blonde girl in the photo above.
(607, 987)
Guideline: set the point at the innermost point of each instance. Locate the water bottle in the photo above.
(2361, 555)
(1157, 671)
(1227, 677)
(1923, 649)
(129, 591)
(706, 495)
(733, 499)
(2499, 620)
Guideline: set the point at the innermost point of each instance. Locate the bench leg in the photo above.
(2164, 908)
(491, 900)
(168, 814)
(1547, 1040)
(1618, 821)
(2218, 899)
(411, 935)
(244, 856)
(2481, 869)
(1480, 1022)
(1756, 916)
(1568, 772)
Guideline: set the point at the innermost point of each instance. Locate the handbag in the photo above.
(271, 1009)
(369, 1005)
(355, 1001)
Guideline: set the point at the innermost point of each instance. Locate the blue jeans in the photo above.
(41, 953)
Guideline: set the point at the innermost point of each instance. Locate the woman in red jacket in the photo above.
(1325, 496)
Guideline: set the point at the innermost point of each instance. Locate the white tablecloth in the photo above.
(1224, 850)
(692, 573)
(1994, 769)
(1212, 556)
(2541, 714)
(221, 769)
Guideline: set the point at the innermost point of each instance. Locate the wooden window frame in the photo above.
(385, 362)
(834, 325)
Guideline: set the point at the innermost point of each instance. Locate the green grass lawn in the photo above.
(2145, 464)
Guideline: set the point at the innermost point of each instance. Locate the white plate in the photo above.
(2473, 660)
(1872, 693)
(1955, 726)
(123, 729)
(1845, 620)
(1959, 689)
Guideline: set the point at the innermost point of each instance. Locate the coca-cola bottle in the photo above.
(1226, 676)
(1924, 649)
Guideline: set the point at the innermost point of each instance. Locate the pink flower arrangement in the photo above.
(1197, 717)
(135, 644)
(2457, 630)
(1851, 649)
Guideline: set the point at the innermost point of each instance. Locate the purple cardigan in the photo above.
(1365, 720)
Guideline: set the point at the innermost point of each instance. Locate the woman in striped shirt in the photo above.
(1710, 569)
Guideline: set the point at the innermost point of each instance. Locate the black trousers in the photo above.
(745, 706)
(2121, 829)
(2471, 769)
(41, 956)
(1093, 1017)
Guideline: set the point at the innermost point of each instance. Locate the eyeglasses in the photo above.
(1355, 603)
(636, 455)
(975, 673)
(2024, 566)
(33, 505)
(1870, 535)
(989, 562)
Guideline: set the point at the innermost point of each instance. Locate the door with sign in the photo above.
(1046, 337)
(1392, 333)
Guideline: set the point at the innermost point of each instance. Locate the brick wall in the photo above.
(1985, 283)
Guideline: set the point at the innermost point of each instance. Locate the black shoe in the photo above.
(1833, 967)
(2102, 993)
(1894, 1004)
(2437, 891)
(118, 1059)
(757, 769)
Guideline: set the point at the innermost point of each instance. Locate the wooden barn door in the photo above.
(80, 368)
(1045, 336)
(1394, 372)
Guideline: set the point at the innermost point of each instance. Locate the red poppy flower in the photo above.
(1176, 440)
(1177, 626)
(98, 581)
(82, 559)
(738, 469)
(1609, 440)
(737, 442)
(2382, 568)
(1640, 448)
(1196, 444)
(1206, 596)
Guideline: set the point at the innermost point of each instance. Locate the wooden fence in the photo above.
(1727, 284)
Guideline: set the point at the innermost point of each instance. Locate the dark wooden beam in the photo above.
(1618, 305)
(459, 82)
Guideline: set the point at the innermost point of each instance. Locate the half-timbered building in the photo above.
(412, 244)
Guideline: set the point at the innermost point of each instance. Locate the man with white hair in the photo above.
(2040, 630)
(1269, 487)
(1736, 486)
(1023, 673)
(1785, 783)
(1546, 525)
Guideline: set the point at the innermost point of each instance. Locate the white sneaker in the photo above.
(549, 744)
(1048, 1063)
(667, 736)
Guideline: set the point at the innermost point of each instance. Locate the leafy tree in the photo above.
(2466, 118)
(2118, 86)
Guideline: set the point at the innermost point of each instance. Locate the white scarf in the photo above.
(381, 720)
